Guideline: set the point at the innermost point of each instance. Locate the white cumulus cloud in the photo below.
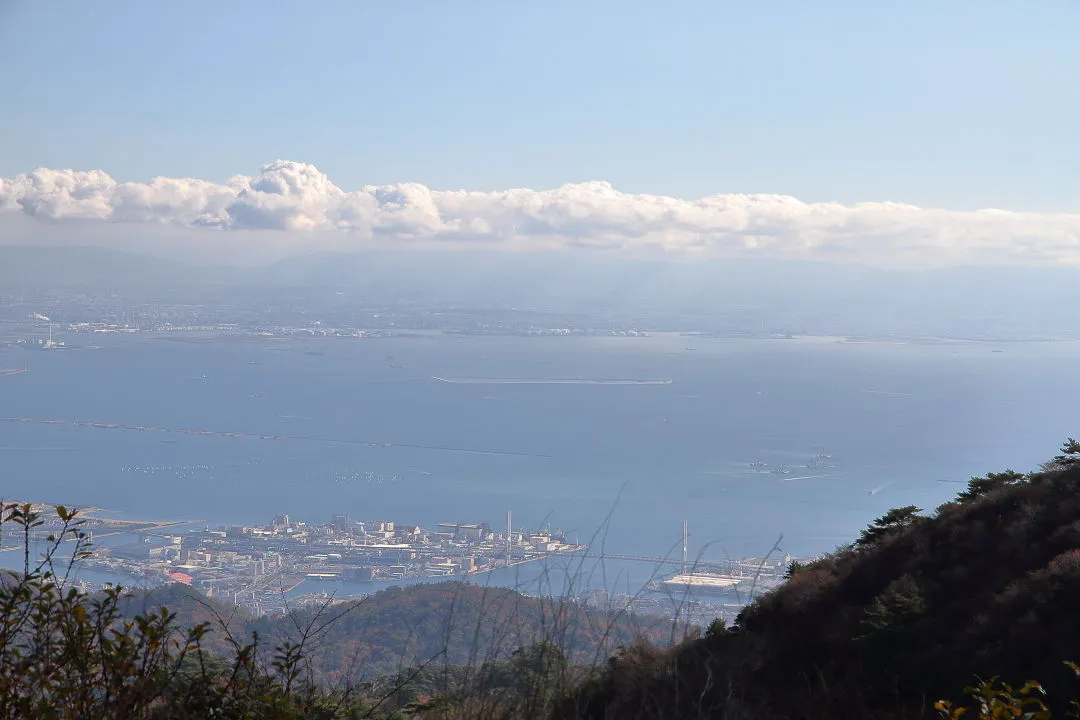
(298, 197)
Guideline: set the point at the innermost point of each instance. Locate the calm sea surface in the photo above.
(898, 420)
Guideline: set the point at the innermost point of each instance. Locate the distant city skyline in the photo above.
(959, 105)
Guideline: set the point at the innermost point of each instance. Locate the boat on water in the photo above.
(698, 583)
(323, 576)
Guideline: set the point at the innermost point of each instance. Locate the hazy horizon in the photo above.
(248, 240)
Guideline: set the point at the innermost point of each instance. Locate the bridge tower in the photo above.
(684, 546)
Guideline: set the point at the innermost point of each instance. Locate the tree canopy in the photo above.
(986, 586)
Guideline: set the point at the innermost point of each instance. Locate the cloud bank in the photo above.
(300, 199)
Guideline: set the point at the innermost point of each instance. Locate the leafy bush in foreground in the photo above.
(65, 654)
(988, 585)
(463, 651)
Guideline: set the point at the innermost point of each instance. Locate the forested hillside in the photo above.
(174, 653)
(917, 607)
(445, 623)
(910, 613)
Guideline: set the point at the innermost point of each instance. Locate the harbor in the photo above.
(259, 566)
(256, 565)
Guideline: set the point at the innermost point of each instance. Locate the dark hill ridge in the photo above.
(455, 623)
(447, 623)
(911, 612)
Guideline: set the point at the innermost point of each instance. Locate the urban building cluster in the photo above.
(259, 566)
(32, 317)
(256, 565)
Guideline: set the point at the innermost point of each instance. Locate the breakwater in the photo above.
(549, 381)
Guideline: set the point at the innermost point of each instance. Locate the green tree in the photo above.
(981, 485)
(1069, 456)
(898, 605)
(794, 568)
(716, 628)
(892, 521)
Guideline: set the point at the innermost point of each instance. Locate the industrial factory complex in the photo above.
(256, 565)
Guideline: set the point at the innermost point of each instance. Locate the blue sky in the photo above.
(942, 104)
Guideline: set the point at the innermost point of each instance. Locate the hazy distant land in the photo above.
(548, 381)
